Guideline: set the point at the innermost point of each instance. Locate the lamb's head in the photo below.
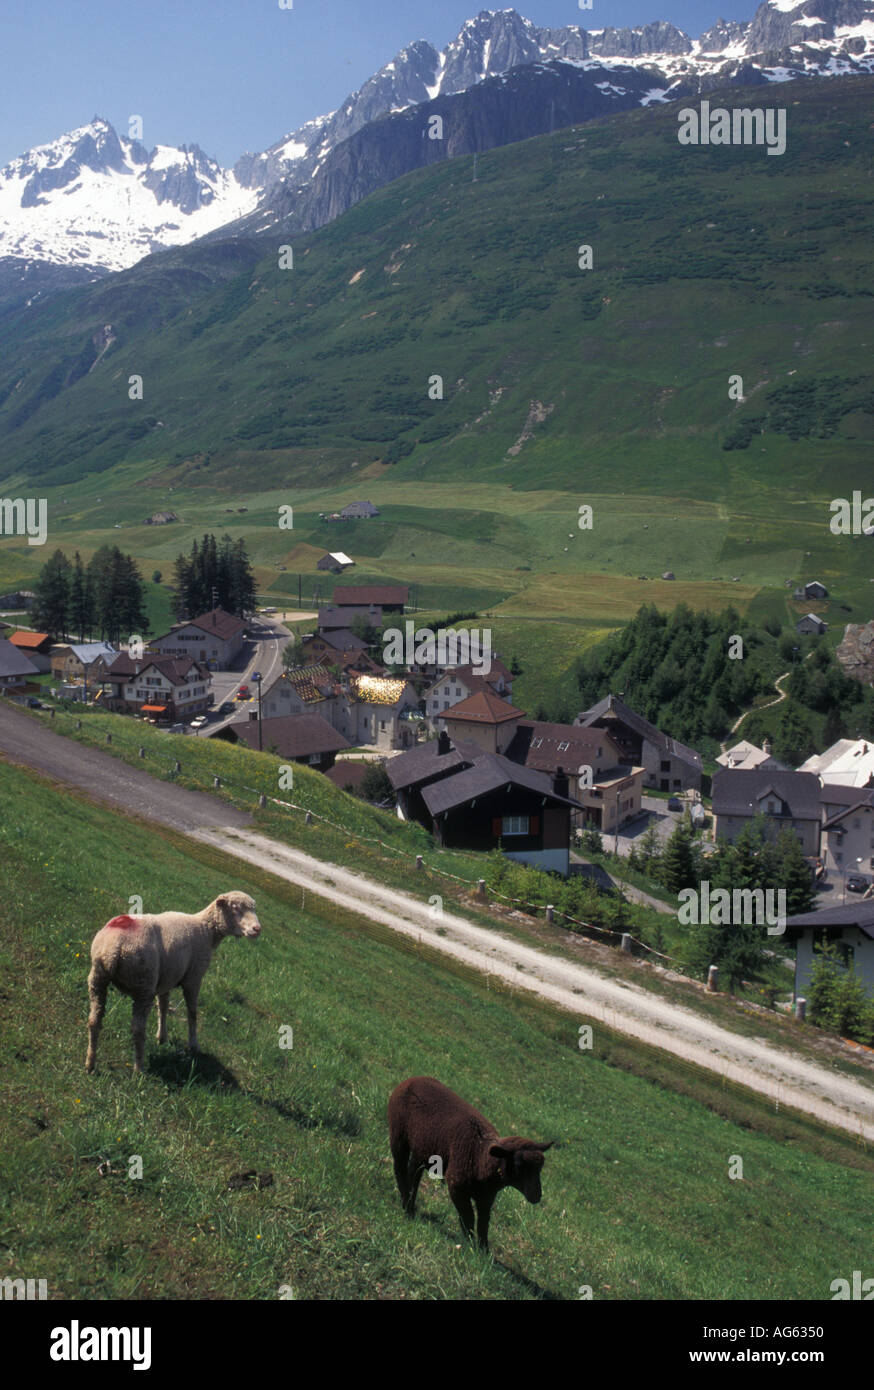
(520, 1162)
(235, 913)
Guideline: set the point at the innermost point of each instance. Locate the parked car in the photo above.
(177, 729)
(857, 883)
(199, 722)
(227, 707)
(675, 804)
(243, 693)
(34, 703)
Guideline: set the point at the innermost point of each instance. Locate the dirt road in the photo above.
(586, 995)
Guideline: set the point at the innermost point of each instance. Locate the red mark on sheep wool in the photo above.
(124, 923)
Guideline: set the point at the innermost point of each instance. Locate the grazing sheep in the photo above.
(426, 1121)
(150, 955)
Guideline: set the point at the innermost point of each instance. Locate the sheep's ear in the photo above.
(221, 900)
(498, 1151)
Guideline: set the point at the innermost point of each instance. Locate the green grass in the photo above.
(637, 1202)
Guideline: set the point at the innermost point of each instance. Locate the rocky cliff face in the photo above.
(856, 652)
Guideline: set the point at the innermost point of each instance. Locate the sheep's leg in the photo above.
(191, 990)
(462, 1203)
(97, 987)
(138, 1029)
(163, 1001)
(484, 1205)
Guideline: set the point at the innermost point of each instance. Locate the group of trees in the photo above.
(751, 861)
(214, 575)
(106, 597)
(837, 998)
(687, 674)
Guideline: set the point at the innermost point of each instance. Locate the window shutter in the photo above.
(497, 826)
(534, 825)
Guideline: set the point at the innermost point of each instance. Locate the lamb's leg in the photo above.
(98, 983)
(163, 1001)
(191, 990)
(414, 1177)
(401, 1159)
(461, 1202)
(138, 1028)
(484, 1203)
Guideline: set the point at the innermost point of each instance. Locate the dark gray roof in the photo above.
(295, 735)
(736, 792)
(850, 798)
(14, 662)
(860, 914)
(342, 640)
(489, 772)
(419, 764)
(612, 705)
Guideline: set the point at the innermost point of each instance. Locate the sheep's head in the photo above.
(237, 915)
(520, 1162)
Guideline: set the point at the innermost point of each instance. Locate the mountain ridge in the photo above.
(94, 201)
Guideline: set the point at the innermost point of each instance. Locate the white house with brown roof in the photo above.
(485, 719)
(164, 688)
(459, 683)
(215, 638)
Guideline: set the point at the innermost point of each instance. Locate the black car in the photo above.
(675, 804)
(33, 702)
(857, 883)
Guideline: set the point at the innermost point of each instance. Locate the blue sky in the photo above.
(235, 75)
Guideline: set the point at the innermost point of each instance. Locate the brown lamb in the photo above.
(428, 1121)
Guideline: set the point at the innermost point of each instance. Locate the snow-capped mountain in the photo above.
(95, 199)
(92, 198)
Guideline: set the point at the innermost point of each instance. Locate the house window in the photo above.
(665, 766)
(677, 782)
(536, 742)
(563, 747)
(445, 704)
(514, 825)
(772, 808)
(856, 823)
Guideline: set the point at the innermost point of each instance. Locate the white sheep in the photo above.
(152, 954)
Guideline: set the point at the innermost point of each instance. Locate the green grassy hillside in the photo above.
(637, 1199)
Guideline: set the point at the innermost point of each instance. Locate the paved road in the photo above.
(265, 656)
(576, 989)
(28, 741)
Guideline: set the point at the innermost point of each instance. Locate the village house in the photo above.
(472, 799)
(610, 790)
(378, 711)
(810, 623)
(850, 927)
(18, 600)
(847, 763)
(847, 830)
(457, 683)
(328, 645)
(82, 661)
(668, 764)
(391, 598)
(788, 801)
(746, 756)
(358, 511)
(334, 561)
(163, 688)
(215, 638)
(336, 619)
(36, 645)
(485, 719)
(16, 668)
(299, 738)
(813, 590)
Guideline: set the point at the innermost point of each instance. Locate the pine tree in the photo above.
(678, 867)
(51, 607)
(793, 874)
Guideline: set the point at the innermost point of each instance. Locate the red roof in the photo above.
(29, 641)
(485, 707)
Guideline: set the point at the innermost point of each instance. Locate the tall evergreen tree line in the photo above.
(105, 598)
(214, 575)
